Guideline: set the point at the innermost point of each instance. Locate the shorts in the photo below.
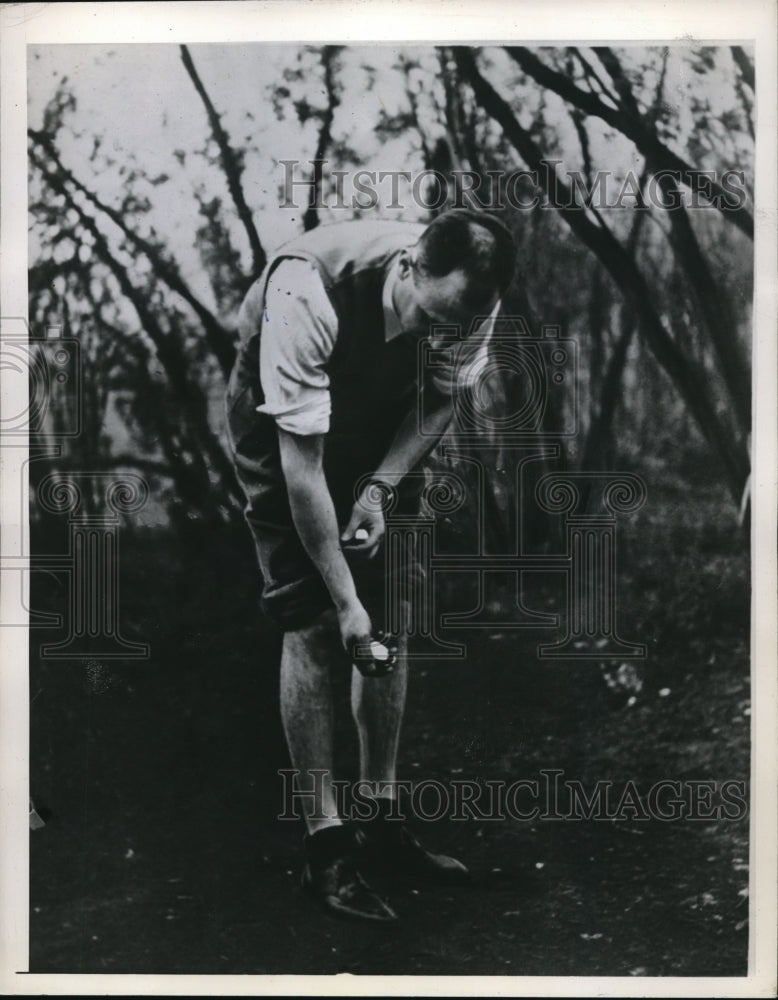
(293, 592)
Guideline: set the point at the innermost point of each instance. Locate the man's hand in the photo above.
(355, 626)
(373, 656)
(364, 531)
(313, 513)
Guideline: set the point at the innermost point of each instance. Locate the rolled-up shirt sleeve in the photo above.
(299, 330)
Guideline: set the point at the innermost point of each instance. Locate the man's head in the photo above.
(462, 263)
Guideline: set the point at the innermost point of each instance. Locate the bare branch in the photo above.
(168, 349)
(219, 339)
(405, 66)
(634, 127)
(462, 132)
(591, 74)
(622, 269)
(311, 217)
(608, 58)
(230, 164)
(712, 298)
(745, 66)
(187, 477)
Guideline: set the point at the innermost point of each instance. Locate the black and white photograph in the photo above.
(388, 506)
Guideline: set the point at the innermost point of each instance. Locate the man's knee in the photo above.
(318, 641)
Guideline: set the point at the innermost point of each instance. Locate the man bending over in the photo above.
(323, 394)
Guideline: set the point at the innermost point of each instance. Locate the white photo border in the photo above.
(750, 22)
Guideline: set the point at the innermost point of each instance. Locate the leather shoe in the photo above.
(330, 875)
(391, 847)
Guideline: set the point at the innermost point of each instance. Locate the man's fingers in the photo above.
(359, 647)
(372, 658)
(369, 544)
(358, 528)
(356, 544)
(365, 540)
(351, 528)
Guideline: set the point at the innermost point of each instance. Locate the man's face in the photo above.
(422, 302)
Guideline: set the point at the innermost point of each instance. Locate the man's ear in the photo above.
(405, 261)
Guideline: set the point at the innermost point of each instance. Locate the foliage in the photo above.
(144, 248)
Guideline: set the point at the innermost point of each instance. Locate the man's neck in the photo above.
(392, 326)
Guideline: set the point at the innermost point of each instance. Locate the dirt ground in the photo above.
(158, 779)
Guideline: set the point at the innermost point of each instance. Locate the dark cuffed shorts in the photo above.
(293, 592)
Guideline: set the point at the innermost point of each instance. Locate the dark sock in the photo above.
(389, 821)
(330, 843)
(389, 811)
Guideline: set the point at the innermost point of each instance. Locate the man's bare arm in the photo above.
(405, 452)
(410, 446)
(313, 513)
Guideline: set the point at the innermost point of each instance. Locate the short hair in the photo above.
(478, 243)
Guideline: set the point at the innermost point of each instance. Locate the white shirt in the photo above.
(299, 330)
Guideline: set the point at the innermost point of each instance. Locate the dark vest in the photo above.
(372, 383)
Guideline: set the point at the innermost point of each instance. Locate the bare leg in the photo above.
(378, 704)
(307, 714)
